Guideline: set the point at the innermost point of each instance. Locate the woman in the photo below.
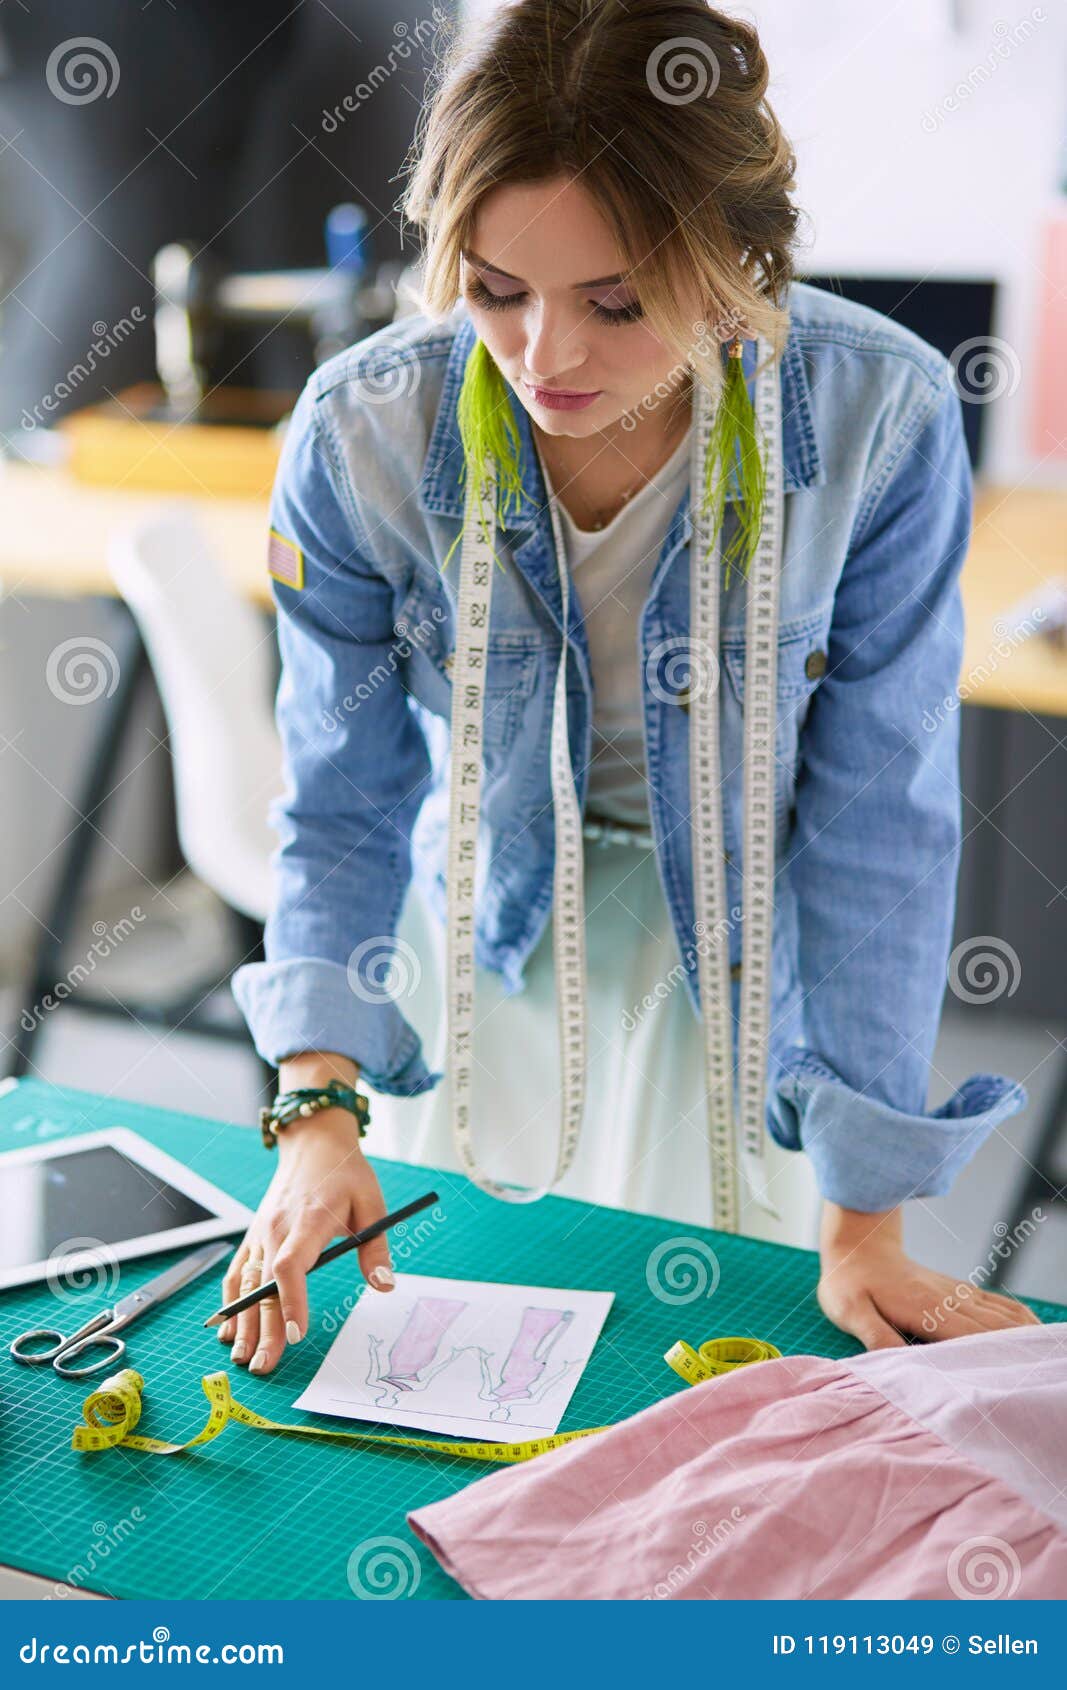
(629, 375)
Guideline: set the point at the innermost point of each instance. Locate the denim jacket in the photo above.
(878, 498)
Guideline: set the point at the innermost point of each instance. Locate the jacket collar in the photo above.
(440, 488)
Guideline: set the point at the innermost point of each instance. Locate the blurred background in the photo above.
(197, 205)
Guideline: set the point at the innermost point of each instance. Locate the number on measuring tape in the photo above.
(709, 882)
(111, 1414)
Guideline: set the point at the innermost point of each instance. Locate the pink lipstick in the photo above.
(558, 399)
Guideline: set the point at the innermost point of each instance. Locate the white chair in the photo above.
(212, 656)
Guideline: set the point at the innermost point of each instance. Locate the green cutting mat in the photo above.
(254, 1516)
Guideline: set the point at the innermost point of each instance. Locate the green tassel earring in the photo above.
(488, 432)
(735, 423)
(487, 429)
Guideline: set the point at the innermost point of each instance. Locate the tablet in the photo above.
(73, 1203)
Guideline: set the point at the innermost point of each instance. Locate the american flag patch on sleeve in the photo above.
(285, 561)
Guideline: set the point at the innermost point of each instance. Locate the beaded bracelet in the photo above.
(292, 1105)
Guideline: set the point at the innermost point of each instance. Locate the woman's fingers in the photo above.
(323, 1187)
(882, 1302)
(375, 1265)
(853, 1309)
(943, 1308)
(271, 1340)
(231, 1283)
(303, 1246)
(374, 1259)
(959, 1322)
(1006, 1311)
(866, 1322)
(246, 1337)
(957, 1308)
(858, 1313)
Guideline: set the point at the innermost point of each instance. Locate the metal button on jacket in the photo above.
(815, 664)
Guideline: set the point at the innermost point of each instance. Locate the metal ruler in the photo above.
(709, 885)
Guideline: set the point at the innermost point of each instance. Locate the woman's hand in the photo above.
(323, 1185)
(872, 1289)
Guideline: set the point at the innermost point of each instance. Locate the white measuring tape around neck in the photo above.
(712, 926)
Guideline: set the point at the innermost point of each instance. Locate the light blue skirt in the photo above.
(644, 1141)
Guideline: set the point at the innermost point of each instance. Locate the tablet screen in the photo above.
(96, 1193)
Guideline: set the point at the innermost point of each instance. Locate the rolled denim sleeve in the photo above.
(875, 851)
(355, 764)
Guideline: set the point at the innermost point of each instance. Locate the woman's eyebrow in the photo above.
(598, 282)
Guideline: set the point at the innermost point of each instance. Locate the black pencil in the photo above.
(270, 1288)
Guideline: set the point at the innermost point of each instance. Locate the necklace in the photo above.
(607, 515)
(602, 515)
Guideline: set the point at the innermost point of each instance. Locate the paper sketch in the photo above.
(475, 1359)
(413, 1354)
(520, 1377)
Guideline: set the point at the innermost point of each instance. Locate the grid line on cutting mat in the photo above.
(252, 1515)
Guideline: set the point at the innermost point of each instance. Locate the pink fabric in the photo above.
(999, 1398)
(791, 1478)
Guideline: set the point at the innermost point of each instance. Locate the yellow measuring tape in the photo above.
(718, 1355)
(110, 1415)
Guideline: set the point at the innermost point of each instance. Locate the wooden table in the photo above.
(1019, 542)
(55, 531)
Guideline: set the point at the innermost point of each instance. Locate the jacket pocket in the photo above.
(802, 661)
(512, 665)
(512, 669)
(512, 661)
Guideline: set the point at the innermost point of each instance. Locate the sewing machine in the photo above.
(190, 433)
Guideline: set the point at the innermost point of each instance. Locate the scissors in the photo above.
(102, 1331)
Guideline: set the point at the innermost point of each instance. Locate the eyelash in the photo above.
(478, 291)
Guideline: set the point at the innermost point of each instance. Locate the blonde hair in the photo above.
(660, 109)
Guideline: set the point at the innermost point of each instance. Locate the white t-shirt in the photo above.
(611, 568)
